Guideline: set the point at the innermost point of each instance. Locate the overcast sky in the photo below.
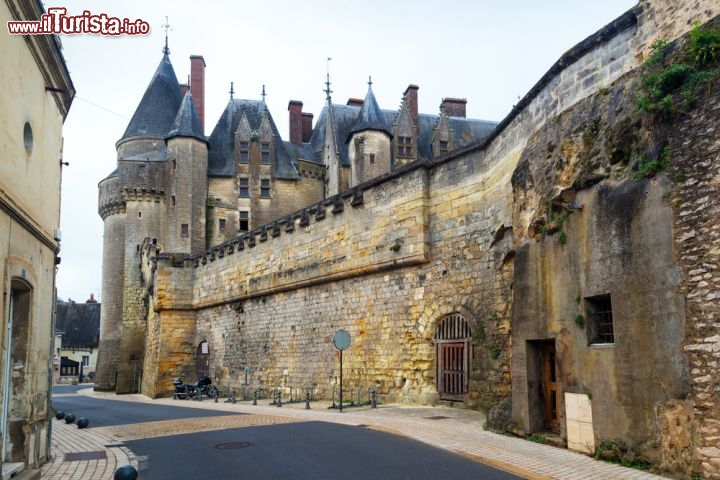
(489, 52)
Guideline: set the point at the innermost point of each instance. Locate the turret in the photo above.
(369, 140)
(187, 163)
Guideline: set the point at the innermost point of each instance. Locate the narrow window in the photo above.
(184, 230)
(174, 163)
(244, 187)
(221, 224)
(265, 150)
(172, 200)
(139, 214)
(141, 169)
(265, 188)
(86, 360)
(244, 221)
(371, 157)
(600, 319)
(244, 152)
(443, 147)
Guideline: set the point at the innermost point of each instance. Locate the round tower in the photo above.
(132, 205)
(370, 145)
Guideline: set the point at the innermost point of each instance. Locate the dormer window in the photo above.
(443, 147)
(404, 147)
(244, 152)
(265, 153)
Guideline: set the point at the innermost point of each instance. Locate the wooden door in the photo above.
(550, 388)
(452, 371)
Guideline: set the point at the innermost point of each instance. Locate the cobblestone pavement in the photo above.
(452, 429)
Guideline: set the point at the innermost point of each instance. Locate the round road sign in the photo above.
(341, 339)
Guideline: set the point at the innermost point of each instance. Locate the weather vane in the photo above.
(327, 81)
(167, 27)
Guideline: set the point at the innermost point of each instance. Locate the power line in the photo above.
(101, 107)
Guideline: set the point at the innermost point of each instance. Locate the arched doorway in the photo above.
(14, 399)
(452, 357)
(202, 359)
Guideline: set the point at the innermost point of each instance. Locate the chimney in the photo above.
(296, 122)
(91, 299)
(355, 102)
(411, 100)
(307, 129)
(197, 86)
(453, 107)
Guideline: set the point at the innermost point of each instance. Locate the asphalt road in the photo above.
(298, 451)
(103, 413)
(311, 450)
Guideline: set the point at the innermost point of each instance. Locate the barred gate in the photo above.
(452, 343)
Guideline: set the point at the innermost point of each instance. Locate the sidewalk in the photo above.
(95, 453)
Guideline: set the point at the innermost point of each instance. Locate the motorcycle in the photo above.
(203, 386)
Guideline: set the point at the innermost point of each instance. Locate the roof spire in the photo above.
(166, 49)
(232, 89)
(263, 93)
(370, 81)
(327, 81)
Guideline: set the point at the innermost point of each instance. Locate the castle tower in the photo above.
(369, 142)
(187, 156)
(132, 206)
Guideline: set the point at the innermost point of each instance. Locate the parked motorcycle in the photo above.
(203, 386)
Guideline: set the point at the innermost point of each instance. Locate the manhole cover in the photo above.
(437, 417)
(232, 445)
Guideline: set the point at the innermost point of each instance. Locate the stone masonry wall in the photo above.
(695, 201)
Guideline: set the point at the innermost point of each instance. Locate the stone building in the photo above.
(35, 97)
(560, 272)
(77, 335)
(188, 192)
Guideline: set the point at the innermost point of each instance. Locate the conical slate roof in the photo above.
(187, 122)
(157, 110)
(370, 118)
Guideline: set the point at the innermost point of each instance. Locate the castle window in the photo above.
(141, 169)
(244, 152)
(172, 200)
(244, 221)
(265, 188)
(404, 147)
(244, 190)
(139, 214)
(221, 224)
(174, 164)
(265, 151)
(184, 230)
(371, 157)
(600, 319)
(443, 147)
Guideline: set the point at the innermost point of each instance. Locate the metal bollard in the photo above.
(307, 399)
(255, 394)
(373, 397)
(279, 398)
(126, 472)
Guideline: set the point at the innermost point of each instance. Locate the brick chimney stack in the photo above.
(355, 102)
(197, 86)
(453, 107)
(307, 129)
(296, 121)
(411, 100)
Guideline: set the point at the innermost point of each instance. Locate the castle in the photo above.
(558, 269)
